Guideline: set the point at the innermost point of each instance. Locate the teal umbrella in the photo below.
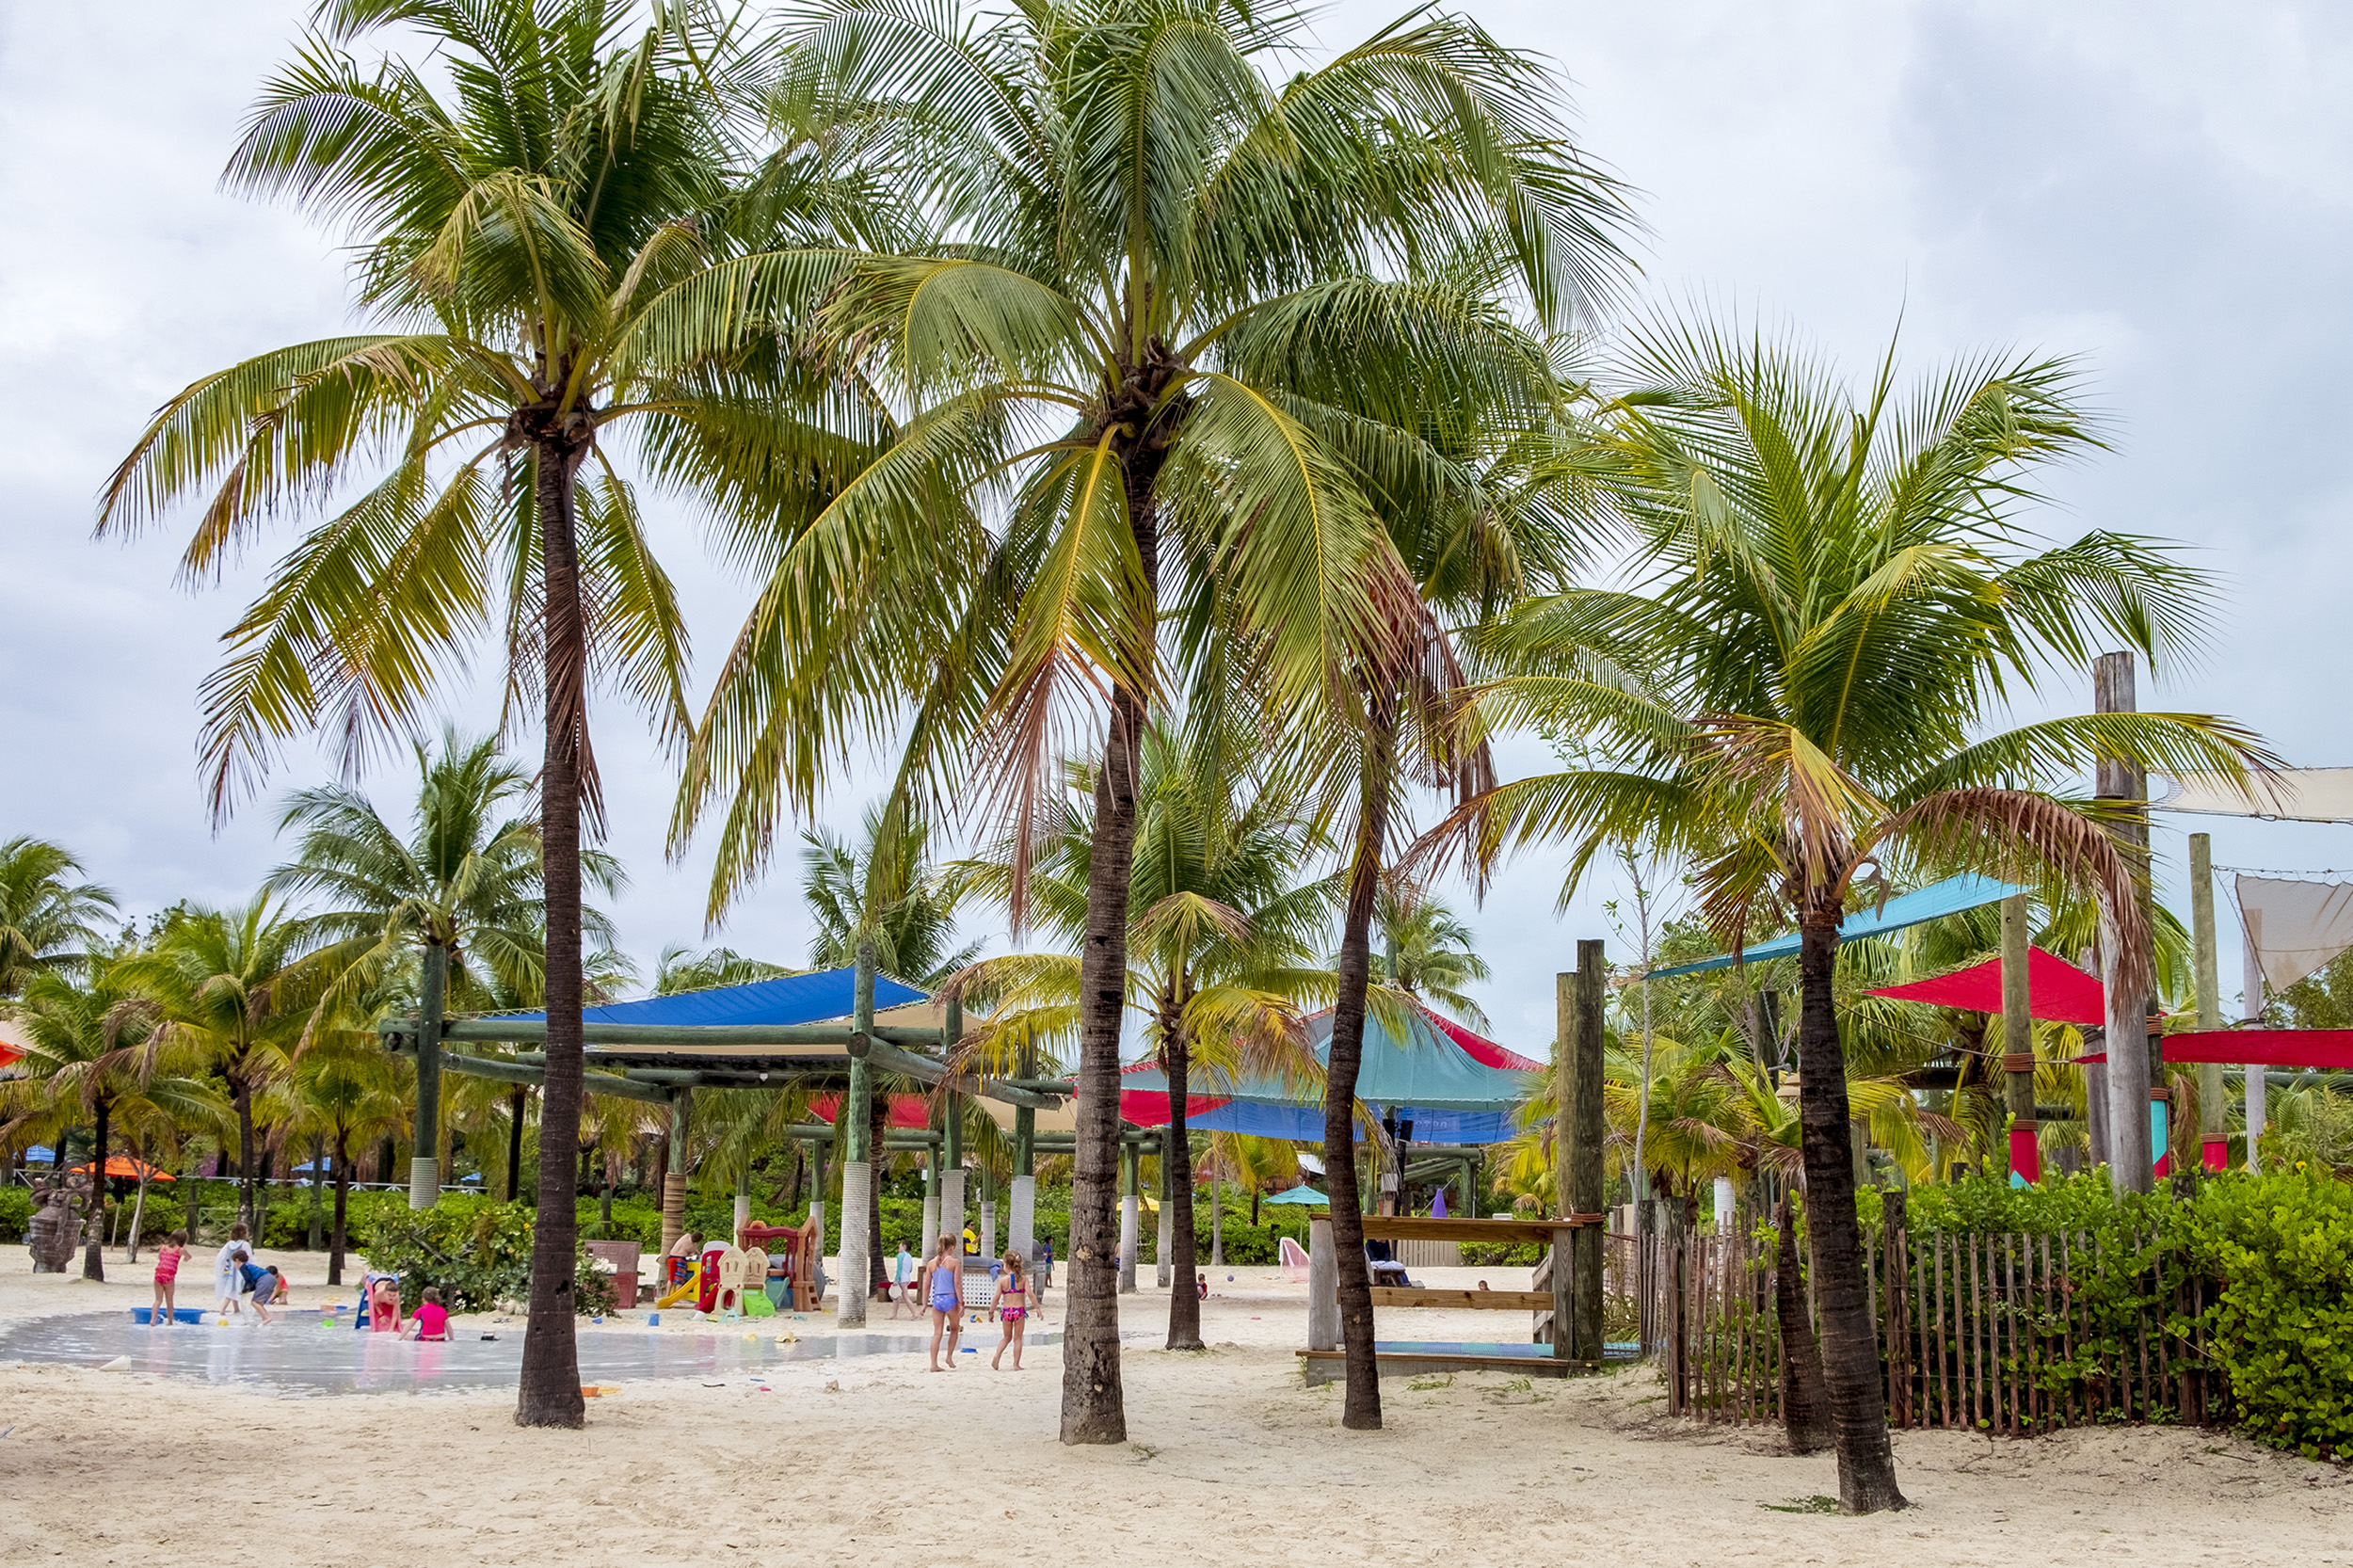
(1304, 1195)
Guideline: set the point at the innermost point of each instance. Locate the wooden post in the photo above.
(2130, 1141)
(2025, 1146)
(1564, 1021)
(1324, 1285)
(2213, 1124)
(1582, 1193)
(424, 1169)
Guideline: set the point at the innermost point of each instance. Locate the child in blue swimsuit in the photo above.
(943, 1288)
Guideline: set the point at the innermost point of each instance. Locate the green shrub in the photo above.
(477, 1251)
(16, 1213)
(2283, 1329)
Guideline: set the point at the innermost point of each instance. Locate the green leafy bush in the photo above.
(476, 1252)
(2283, 1330)
(16, 1213)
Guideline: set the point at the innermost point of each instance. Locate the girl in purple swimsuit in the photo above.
(943, 1288)
(1012, 1309)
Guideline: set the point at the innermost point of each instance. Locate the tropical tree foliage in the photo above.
(532, 221)
(48, 920)
(1164, 239)
(1831, 595)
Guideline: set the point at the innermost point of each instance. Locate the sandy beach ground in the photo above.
(1231, 1459)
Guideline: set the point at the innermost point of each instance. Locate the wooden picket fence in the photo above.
(1979, 1332)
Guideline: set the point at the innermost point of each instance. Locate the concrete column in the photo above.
(742, 1217)
(1164, 1242)
(1021, 1228)
(2251, 1010)
(952, 1207)
(2214, 1119)
(930, 1238)
(1323, 1286)
(425, 1171)
(2131, 1146)
(857, 1188)
(1128, 1243)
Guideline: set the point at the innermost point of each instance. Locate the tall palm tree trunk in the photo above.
(1184, 1298)
(94, 1253)
(343, 1193)
(516, 1104)
(1094, 1399)
(1850, 1357)
(550, 1394)
(1362, 1410)
(1805, 1396)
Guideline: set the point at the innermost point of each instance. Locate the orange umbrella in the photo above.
(123, 1165)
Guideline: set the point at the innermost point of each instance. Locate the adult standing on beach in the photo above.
(228, 1278)
(943, 1288)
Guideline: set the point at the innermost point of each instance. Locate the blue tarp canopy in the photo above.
(1449, 1097)
(1950, 897)
(792, 998)
(1304, 1195)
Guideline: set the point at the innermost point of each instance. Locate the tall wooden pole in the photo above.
(1563, 1082)
(2026, 1142)
(2131, 1140)
(2213, 1122)
(1585, 1167)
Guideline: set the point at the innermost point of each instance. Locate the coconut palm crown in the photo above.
(1796, 693)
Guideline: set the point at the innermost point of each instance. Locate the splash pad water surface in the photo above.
(299, 1356)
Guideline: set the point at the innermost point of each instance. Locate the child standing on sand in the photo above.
(167, 1258)
(943, 1288)
(267, 1287)
(1011, 1307)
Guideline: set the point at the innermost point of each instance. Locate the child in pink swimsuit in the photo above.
(167, 1258)
(1012, 1309)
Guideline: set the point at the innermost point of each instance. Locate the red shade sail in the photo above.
(908, 1113)
(2272, 1047)
(2057, 991)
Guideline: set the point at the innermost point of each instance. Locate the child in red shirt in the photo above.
(432, 1317)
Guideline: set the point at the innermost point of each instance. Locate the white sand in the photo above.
(1231, 1461)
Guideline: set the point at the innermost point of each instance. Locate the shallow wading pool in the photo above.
(300, 1354)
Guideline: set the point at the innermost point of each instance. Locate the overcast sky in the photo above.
(2165, 191)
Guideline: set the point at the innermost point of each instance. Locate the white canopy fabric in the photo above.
(2294, 927)
(2291, 794)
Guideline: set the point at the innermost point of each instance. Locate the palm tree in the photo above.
(680, 968)
(1161, 235)
(1220, 951)
(91, 1050)
(238, 987)
(1831, 601)
(884, 905)
(526, 211)
(48, 921)
(1426, 949)
(460, 890)
(346, 1090)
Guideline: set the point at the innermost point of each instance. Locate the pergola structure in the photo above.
(822, 1029)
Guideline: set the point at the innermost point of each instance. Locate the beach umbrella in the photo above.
(1303, 1195)
(123, 1165)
